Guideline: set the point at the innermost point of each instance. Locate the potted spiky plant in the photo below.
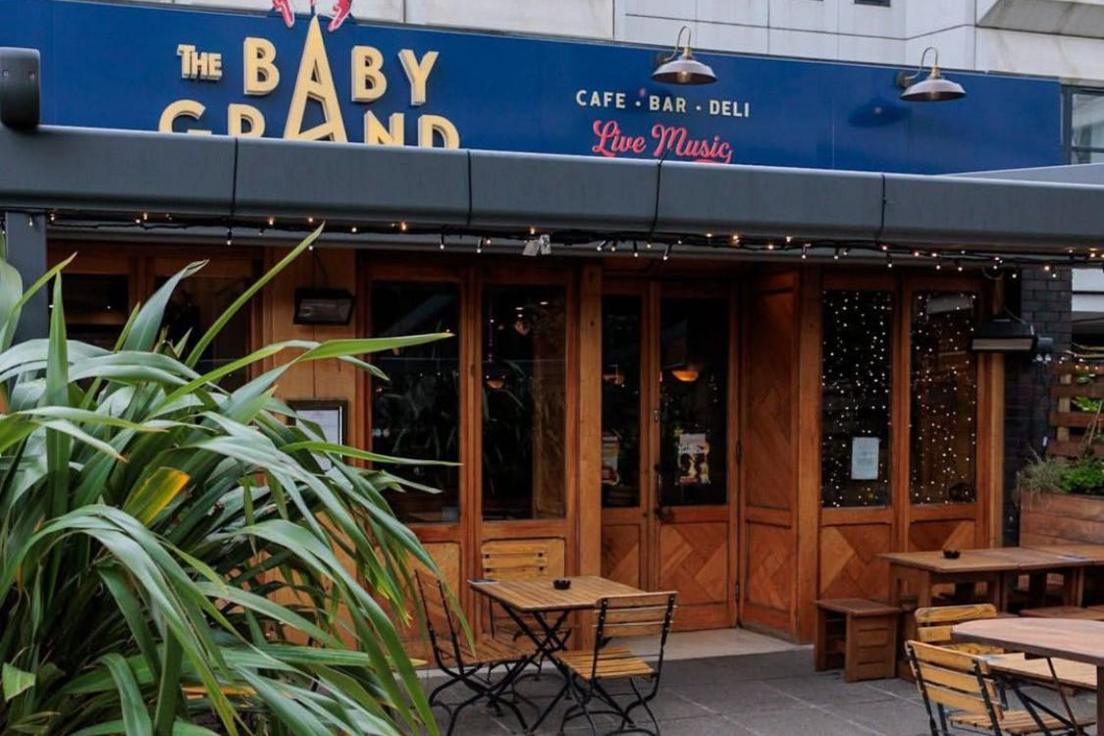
(170, 551)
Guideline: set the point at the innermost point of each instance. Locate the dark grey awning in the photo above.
(101, 172)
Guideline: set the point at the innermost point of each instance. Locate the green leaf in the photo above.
(147, 324)
(218, 325)
(158, 490)
(136, 718)
(15, 681)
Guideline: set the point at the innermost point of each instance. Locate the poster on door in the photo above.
(693, 458)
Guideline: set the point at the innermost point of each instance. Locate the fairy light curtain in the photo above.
(855, 384)
(943, 398)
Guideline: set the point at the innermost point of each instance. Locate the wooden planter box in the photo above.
(1061, 518)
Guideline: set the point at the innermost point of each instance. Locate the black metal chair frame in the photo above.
(584, 690)
(476, 677)
(1031, 705)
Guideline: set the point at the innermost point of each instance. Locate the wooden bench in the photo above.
(859, 635)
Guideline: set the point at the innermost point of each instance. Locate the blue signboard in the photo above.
(150, 68)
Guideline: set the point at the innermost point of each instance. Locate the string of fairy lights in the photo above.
(855, 384)
(943, 431)
(664, 247)
(856, 388)
(857, 324)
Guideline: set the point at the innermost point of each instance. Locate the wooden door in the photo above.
(667, 446)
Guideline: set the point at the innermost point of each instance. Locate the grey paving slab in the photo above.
(775, 694)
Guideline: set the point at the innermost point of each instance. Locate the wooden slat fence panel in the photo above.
(1076, 429)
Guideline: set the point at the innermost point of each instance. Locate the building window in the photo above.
(524, 400)
(416, 413)
(856, 370)
(1084, 123)
(878, 3)
(96, 307)
(943, 398)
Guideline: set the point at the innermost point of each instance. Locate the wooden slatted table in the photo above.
(1085, 614)
(537, 599)
(1080, 641)
(538, 595)
(996, 567)
(1077, 675)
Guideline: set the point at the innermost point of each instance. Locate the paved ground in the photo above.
(775, 694)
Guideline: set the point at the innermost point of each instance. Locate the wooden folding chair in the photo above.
(516, 562)
(960, 692)
(647, 614)
(933, 626)
(464, 662)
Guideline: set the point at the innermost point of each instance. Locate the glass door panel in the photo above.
(693, 401)
(621, 339)
(416, 414)
(524, 402)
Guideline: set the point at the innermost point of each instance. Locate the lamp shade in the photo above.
(935, 88)
(1003, 335)
(684, 70)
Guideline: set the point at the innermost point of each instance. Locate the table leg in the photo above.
(1099, 699)
(547, 643)
(1073, 587)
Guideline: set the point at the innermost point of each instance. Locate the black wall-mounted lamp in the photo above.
(934, 88)
(314, 306)
(683, 68)
(1004, 335)
(20, 81)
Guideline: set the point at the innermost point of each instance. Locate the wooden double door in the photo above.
(669, 435)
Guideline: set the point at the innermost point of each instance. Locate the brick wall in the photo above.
(1043, 299)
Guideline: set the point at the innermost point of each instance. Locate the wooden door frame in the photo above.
(910, 513)
(640, 514)
(651, 292)
(470, 532)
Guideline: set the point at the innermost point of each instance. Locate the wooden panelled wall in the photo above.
(793, 551)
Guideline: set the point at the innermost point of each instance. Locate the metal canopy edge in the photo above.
(109, 171)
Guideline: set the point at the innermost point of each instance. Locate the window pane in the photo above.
(193, 308)
(1085, 156)
(524, 397)
(621, 401)
(1087, 120)
(96, 307)
(856, 368)
(417, 413)
(943, 391)
(693, 401)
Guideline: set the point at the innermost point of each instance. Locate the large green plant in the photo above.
(170, 552)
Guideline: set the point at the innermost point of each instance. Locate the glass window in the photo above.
(943, 398)
(1085, 116)
(856, 369)
(195, 304)
(416, 414)
(693, 401)
(96, 307)
(621, 401)
(524, 398)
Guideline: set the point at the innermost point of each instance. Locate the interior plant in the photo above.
(171, 552)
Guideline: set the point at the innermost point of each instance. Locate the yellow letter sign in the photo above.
(315, 82)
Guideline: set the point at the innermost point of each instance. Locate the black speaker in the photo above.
(19, 88)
